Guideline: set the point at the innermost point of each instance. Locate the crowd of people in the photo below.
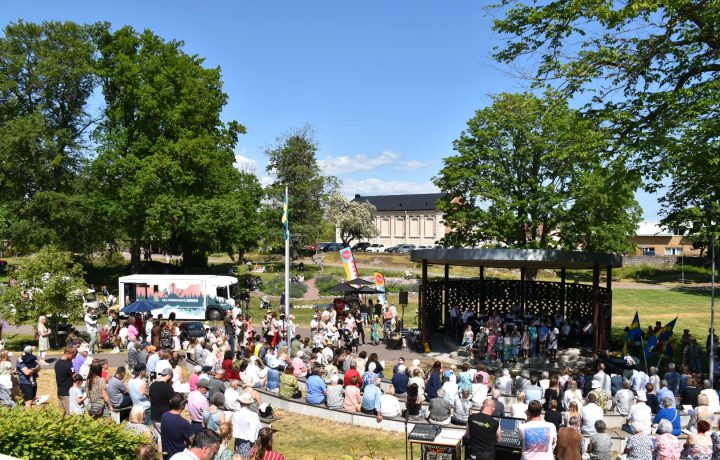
(564, 415)
(497, 338)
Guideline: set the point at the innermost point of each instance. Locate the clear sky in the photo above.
(387, 85)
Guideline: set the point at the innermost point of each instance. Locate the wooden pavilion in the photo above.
(573, 300)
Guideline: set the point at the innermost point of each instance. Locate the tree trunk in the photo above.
(135, 261)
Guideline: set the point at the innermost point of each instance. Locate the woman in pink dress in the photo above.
(491, 346)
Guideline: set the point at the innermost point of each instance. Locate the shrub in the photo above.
(45, 434)
(276, 286)
(324, 282)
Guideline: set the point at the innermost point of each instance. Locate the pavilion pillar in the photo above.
(423, 317)
(608, 305)
(482, 290)
(446, 296)
(523, 276)
(563, 295)
(598, 343)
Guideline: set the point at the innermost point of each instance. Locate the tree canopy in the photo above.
(151, 165)
(650, 70)
(354, 220)
(49, 283)
(532, 173)
(292, 163)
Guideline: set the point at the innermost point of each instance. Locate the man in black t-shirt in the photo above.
(63, 378)
(229, 325)
(483, 431)
(160, 392)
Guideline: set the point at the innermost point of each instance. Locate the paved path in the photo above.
(312, 293)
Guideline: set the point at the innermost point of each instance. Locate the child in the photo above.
(508, 347)
(491, 345)
(499, 345)
(77, 396)
(516, 343)
(467, 337)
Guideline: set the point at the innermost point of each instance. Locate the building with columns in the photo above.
(402, 219)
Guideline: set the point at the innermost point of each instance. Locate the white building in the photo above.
(412, 219)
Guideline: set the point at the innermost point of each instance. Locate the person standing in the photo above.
(43, 333)
(246, 426)
(176, 432)
(569, 441)
(28, 368)
(229, 325)
(160, 394)
(91, 327)
(538, 437)
(483, 431)
(205, 446)
(64, 378)
(197, 404)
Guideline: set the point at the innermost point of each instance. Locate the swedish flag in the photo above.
(285, 216)
(660, 337)
(634, 333)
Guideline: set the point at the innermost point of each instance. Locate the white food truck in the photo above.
(190, 297)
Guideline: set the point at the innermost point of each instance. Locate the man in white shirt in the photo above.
(205, 445)
(91, 327)
(504, 383)
(624, 399)
(231, 396)
(246, 426)
(638, 381)
(538, 436)
(591, 413)
(603, 379)
(712, 396)
(640, 413)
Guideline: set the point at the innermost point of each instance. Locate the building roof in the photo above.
(516, 258)
(414, 202)
(652, 228)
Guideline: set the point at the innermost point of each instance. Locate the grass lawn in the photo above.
(692, 306)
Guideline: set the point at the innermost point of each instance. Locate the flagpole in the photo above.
(642, 344)
(711, 353)
(287, 259)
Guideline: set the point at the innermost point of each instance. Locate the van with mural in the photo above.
(190, 297)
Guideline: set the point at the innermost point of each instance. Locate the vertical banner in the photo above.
(351, 271)
(380, 285)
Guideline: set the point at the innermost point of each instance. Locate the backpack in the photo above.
(166, 340)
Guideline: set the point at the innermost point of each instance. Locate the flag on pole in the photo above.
(634, 333)
(285, 216)
(657, 340)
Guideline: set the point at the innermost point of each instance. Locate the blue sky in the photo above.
(387, 85)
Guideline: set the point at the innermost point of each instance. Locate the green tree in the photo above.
(651, 69)
(165, 164)
(46, 78)
(292, 163)
(354, 220)
(49, 283)
(525, 172)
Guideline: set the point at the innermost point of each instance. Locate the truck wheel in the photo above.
(214, 315)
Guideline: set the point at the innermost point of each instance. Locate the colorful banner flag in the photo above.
(657, 340)
(380, 286)
(634, 333)
(285, 217)
(351, 271)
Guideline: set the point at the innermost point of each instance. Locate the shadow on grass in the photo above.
(700, 291)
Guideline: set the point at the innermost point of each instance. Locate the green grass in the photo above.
(692, 306)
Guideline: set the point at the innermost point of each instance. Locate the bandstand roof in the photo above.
(516, 258)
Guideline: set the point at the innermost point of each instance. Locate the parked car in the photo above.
(403, 248)
(310, 248)
(360, 247)
(376, 248)
(333, 247)
(392, 248)
(191, 330)
(322, 246)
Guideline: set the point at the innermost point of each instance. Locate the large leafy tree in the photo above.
(48, 283)
(652, 72)
(46, 79)
(165, 164)
(354, 220)
(292, 163)
(525, 173)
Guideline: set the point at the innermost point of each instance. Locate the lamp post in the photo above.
(711, 351)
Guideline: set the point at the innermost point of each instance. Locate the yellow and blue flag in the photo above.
(657, 341)
(285, 216)
(634, 333)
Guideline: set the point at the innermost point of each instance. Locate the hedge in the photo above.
(44, 434)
